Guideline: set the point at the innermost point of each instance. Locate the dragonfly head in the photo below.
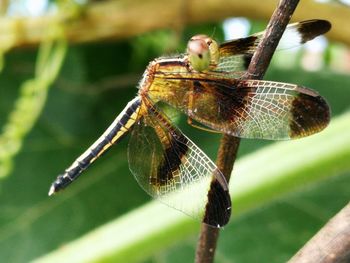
(203, 52)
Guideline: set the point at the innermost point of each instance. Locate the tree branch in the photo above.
(229, 145)
(207, 241)
(331, 244)
(116, 19)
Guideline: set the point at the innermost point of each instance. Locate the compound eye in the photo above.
(197, 45)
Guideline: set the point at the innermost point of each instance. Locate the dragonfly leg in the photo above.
(191, 123)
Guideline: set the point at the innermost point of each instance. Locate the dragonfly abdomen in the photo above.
(120, 126)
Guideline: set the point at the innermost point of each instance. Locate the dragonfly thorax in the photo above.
(152, 84)
(147, 78)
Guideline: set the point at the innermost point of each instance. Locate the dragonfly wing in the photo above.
(172, 169)
(263, 109)
(249, 108)
(235, 55)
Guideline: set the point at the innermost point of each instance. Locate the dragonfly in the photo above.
(206, 84)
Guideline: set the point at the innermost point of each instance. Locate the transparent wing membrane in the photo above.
(172, 169)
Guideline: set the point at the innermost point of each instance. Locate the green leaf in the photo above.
(29, 104)
(257, 180)
(80, 105)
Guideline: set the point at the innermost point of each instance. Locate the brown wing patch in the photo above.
(239, 46)
(218, 209)
(310, 114)
(310, 29)
(173, 155)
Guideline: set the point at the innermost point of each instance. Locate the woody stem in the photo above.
(228, 148)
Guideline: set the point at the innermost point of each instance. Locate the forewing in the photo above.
(252, 108)
(235, 55)
(171, 168)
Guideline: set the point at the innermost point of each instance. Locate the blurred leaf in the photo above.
(255, 183)
(30, 102)
(150, 45)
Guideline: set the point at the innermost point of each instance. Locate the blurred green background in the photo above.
(52, 111)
